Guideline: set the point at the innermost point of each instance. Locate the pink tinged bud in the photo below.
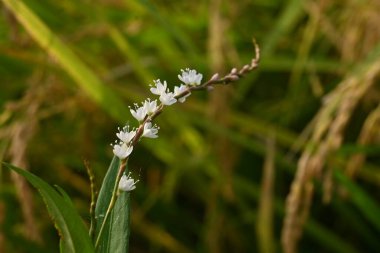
(215, 77)
(253, 64)
(233, 78)
(233, 71)
(244, 69)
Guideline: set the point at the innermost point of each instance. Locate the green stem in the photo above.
(112, 202)
(91, 176)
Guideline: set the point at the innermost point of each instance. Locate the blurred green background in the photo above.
(217, 178)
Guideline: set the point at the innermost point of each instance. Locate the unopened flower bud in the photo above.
(215, 77)
(244, 69)
(233, 78)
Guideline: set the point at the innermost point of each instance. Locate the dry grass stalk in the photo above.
(264, 226)
(217, 103)
(327, 137)
(2, 215)
(332, 119)
(367, 135)
(21, 134)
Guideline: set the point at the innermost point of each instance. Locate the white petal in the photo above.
(127, 183)
(179, 90)
(150, 106)
(139, 113)
(190, 77)
(150, 131)
(126, 136)
(159, 87)
(167, 98)
(122, 150)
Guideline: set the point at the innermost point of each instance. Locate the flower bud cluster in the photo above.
(144, 114)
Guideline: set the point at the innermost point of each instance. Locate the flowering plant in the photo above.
(110, 212)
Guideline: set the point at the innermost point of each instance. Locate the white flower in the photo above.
(150, 106)
(127, 183)
(139, 113)
(125, 135)
(167, 98)
(150, 131)
(179, 90)
(159, 88)
(190, 77)
(122, 150)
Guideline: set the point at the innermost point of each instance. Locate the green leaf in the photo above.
(120, 220)
(70, 62)
(73, 232)
(363, 201)
(115, 237)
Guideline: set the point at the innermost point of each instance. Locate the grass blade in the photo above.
(81, 74)
(362, 200)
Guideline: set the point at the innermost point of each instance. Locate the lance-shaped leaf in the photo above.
(115, 236)
(73, 232)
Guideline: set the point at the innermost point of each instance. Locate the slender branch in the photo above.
(91, 176)
(231, 77)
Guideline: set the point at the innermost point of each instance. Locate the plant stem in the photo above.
(91, 176)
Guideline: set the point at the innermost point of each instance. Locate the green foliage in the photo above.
(362, 200)
(115, 236)
(84, 77)
(74, 235)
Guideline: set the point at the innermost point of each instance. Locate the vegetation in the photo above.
(284, 160)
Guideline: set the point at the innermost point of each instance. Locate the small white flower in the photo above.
(127, 183)
(139, 113)
(125, 135)
(179, 90)
(122, 150)
(167, 98)
(150, 106)
(159, 87)
(190, 77)
(150, 131)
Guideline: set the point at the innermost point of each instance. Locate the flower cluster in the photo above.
(143, 113)
(123, 147)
